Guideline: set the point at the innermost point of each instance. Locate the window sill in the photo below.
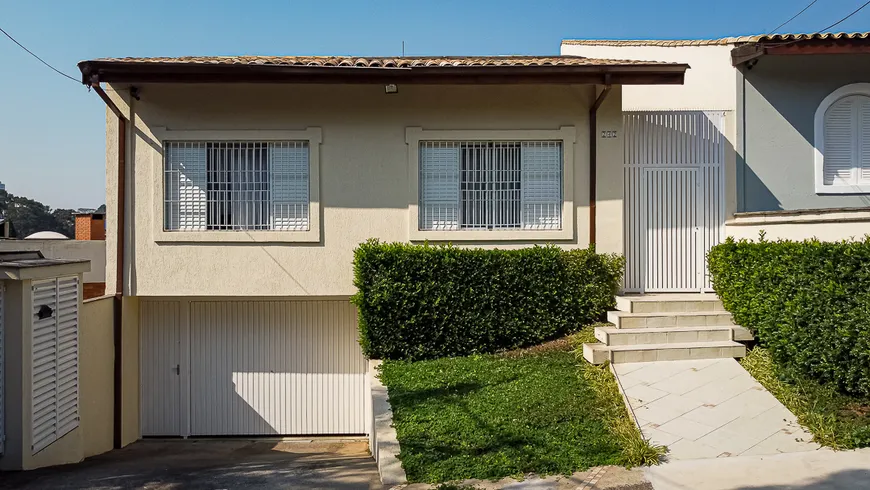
(491, 235)
(255, 236)
(843, 189)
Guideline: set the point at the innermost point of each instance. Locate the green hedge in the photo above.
(808, 302)
(425, 302)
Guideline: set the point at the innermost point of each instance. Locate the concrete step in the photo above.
(622, 319)
(598, 353)
(613, 336)
(669, 303)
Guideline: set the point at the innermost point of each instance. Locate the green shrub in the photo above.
(425, 302)
(807, 302)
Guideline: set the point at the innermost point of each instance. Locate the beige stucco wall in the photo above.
(93, 250)
(96, 375)
(710, 84)
(364, 182)
(826, 225)
(130, 430)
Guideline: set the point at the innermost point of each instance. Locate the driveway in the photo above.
(213, 464)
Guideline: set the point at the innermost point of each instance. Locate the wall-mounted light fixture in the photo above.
(391, 88)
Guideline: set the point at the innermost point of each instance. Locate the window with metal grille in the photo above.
(236, 185)
(490, 185)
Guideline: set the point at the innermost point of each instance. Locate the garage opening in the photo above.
(251, 368)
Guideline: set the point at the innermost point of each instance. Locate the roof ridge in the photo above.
(722, 40)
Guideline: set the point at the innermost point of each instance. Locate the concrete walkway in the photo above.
(709, 409)
(813, 470)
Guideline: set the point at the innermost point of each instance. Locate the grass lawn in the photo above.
(836, 420)
(491, 416)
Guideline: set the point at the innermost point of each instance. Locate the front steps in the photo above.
(667, 327)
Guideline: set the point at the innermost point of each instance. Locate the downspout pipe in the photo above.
(119, 265)
(593, 156)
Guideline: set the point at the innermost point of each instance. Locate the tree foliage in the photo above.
(29, 216)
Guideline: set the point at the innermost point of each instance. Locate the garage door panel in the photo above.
(160, 340)
(275, 367)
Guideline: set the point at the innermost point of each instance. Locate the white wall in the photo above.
(710, 84)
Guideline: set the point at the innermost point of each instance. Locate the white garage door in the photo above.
(251, 368)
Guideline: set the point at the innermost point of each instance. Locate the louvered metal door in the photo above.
(161, 369)
(275, 368)
(674, 198)
(251, 367)
(54, 360)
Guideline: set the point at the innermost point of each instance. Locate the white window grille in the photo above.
(55, 360)
(490, 185)
(236, 185)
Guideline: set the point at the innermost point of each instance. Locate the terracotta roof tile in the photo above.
(839, 36)
(387, 62)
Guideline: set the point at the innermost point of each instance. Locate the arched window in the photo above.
(842, 141)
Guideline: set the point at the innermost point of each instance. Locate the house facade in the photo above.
(245, 184)
(789, 142)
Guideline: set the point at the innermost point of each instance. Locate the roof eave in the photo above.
(745, 52)
(95, 72)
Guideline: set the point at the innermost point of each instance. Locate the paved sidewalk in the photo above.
(813, 470)
(709, 409)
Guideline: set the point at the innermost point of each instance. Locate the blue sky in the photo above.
(52, 143)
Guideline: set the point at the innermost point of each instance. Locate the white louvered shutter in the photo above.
(542, 185)
(55, 384)
(840, 137)
(2, 373)
(185, 186)
(864, 141)
(439, 186)
(289, 185)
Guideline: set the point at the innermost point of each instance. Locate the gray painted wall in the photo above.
(775, 161)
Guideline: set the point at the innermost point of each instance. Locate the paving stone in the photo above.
(684, 382)
(687, 449)
(658, 415)
(715, 393)
(660, 437)
(675, 402)
(733, 442)
(686, 429)
(712, 416)
(627, 380)
(750, 403)
(644, 394)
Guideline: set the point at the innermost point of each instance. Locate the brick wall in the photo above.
(93, 290)
(90, 227)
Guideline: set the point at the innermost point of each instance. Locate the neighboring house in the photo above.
(768, 133)
(89, 245)
(249, 181)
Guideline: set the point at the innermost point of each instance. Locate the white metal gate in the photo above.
(251, 367)
(674, 198)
